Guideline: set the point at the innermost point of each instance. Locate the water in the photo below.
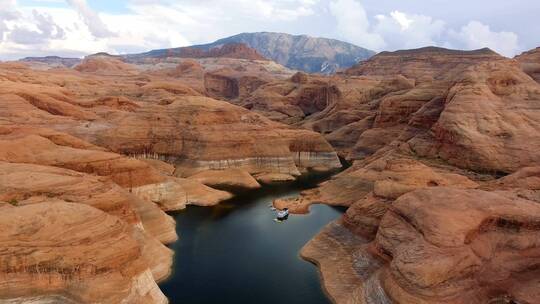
(236, 253)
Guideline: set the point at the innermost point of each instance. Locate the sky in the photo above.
(74, 28)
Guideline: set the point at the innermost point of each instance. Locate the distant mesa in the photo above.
(54, 61)
(422, 64)
(104, 54)
(230, 50)
(439, 51)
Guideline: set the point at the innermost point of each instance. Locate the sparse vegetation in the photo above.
(14, 202)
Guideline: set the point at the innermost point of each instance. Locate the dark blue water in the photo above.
(236, 253)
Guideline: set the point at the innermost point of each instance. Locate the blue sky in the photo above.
(80, 27)
(115, 6)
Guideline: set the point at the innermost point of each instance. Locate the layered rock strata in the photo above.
(429, 250)
(83, 256)
(530, 63)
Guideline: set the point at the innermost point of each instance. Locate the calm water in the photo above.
(236, 253)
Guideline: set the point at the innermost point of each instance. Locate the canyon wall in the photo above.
(443, 192)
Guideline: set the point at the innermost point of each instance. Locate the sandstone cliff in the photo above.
(59, 251)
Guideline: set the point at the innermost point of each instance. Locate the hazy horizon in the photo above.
(74, 28)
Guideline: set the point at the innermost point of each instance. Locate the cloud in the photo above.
(208, 20)
(405, 31)
(7, 13)
(402, 19)
(239, 10)
(353, 24)
(3, 29)
(142, 32)
(477, 35)
(396, 30)
(91, 19)
(37, 31)
(75, 29)
(45, 30)
(7, 10)
(400, 30)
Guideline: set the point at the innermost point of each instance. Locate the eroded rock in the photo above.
(233, 179)
(84, 255)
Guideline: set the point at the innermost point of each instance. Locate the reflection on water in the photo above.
(236, 253)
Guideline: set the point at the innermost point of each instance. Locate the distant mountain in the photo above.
(228, 50)
(305, 53)
(54, 61)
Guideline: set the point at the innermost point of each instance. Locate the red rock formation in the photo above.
(489, 121)
(82, 153)
(442, 254)
(438, 245)
(152, 130)
(231, 84)
(219, 84)
(360, 115)
(190, 68)
(137, 176)
(482, 119)
(424, 64)
(227, 179)
(530, 63)
(373, 186)
(340, 108)
(105, 64)
(457, 119)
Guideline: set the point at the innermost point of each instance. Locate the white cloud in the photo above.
(402, 19)
(139, 32)
(353, 24)
(396, 30)
(7, 13)
(477, 35)
(42, 29)
(404, 31)
(91, 19)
